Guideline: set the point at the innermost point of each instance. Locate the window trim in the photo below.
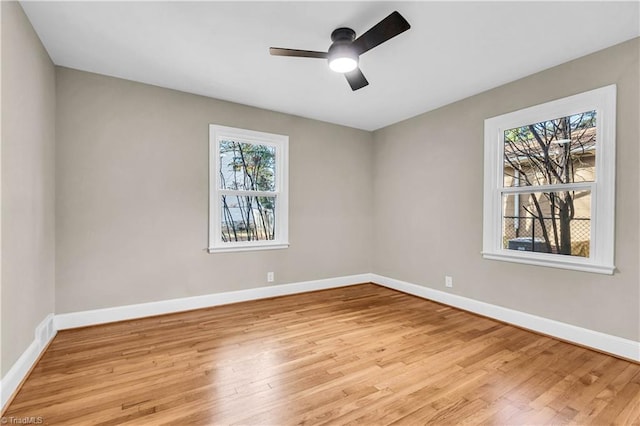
(601, 254)
(281, 193)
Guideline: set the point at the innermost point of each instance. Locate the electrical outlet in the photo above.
(448, 281)
(270, 277)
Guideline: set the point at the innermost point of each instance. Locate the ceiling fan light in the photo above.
(342, 58)
(343, 64)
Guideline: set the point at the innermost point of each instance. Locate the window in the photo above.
(248, 184)
(549, 183)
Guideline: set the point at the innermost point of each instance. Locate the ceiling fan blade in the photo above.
(384, 30)
(279, 51)
(356, 79)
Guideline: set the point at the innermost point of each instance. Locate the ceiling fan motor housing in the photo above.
(343, 34)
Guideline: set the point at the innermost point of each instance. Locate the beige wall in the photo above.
(433, 163)
(28, 131)
(131, 187)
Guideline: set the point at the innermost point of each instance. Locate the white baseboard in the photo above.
(45, 331)
(127, 312)
(614, 345)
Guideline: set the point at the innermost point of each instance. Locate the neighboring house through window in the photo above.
(248, 183)
(549, 183)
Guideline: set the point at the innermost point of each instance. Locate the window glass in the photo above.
(247, 218)
(245, 166)
(548, 222)
(551, 152)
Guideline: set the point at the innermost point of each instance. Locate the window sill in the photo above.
(247, 247)
(551, 261)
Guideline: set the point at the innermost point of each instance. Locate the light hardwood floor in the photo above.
(356, 355)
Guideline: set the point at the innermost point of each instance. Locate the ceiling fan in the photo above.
(346, 49)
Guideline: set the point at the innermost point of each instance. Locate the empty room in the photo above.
(287, 213)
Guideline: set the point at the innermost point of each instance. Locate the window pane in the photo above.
(247, 218)
(551, 152)
(548, 222)
(245, 166)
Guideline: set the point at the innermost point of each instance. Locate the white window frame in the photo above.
(281, 193)
(601, 253)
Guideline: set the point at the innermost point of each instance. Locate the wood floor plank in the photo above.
(361, 355)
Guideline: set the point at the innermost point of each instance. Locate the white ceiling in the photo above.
(220, 49)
